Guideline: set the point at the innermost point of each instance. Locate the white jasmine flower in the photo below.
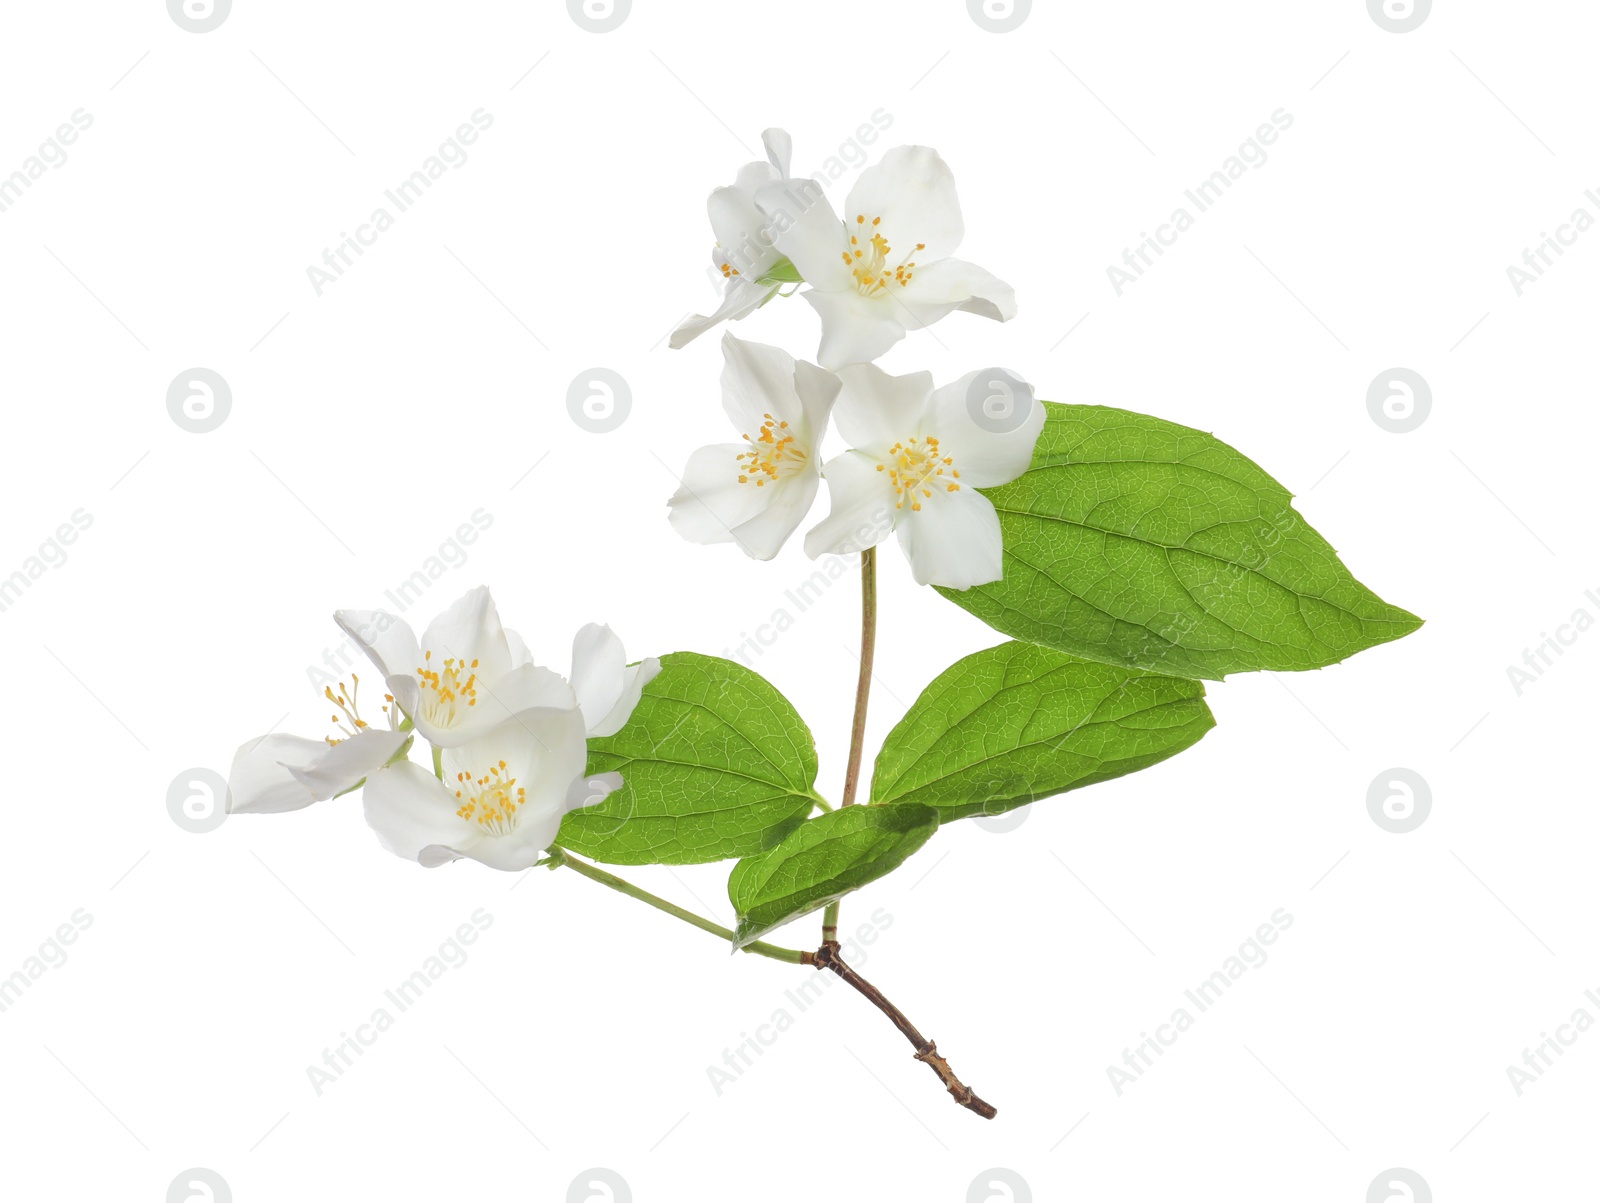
(466, 676)
(502, 796)
(918, 456)
(887, 266)
(757, 492)
(744, 253)
(277, 773)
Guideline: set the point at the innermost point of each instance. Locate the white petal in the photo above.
(518, 646)
(876, 410)
(711, 503)
(856, 329)
(344, 764)
(758, 380)
(742, 296)
(526, 687)
(780, 148)
(259, 781)
(598, 665)
(591, 791)
(862, 507)
(504, 699)
(984, 457)
(817, 389)
(544, 749)
(470, 630)
(634, 678)
(950, 284)
(751, 178)
(414, 815)
(788, 502)
(807, 230)
(546, 752)
(914, 191)
(744, 239)
(388, 641)
(953, 540)
(523, 848)
(278, 773)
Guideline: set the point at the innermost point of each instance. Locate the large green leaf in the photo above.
(1139, 542)
(1017, 722)
(715, 764)
(823, 860)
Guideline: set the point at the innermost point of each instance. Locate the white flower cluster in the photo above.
(917, 454)
(509, 737)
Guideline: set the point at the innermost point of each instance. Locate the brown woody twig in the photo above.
(827, 957)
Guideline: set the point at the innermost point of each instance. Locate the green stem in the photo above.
(869, 643)
(560, 857)
(830, 923)
(438, 762)
(858, 724)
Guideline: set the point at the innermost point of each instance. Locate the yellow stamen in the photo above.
(774, 454)
(491, 800)
(349, 709)
(916, 464)
(445, 694)
(872, 273)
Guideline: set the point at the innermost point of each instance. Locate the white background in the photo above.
(430, 382)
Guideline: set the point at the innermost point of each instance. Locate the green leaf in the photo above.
(1139, 542)
(1017, 722)
(715, 764)
(823, 860)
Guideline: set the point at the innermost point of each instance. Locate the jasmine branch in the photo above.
(827, 957)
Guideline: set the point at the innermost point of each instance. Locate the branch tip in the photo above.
(829, 957)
